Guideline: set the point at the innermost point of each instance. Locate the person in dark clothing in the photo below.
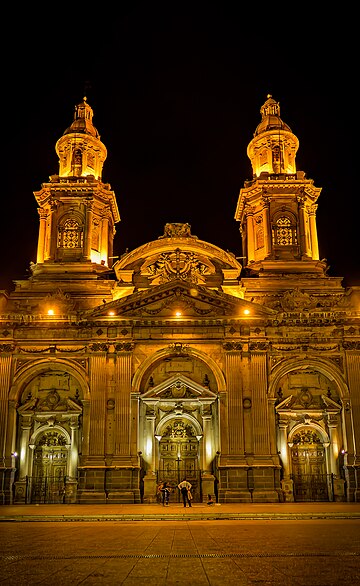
(185, 489)
(165, 494)
(210, 500)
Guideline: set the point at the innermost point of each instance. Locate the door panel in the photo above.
(309, 472)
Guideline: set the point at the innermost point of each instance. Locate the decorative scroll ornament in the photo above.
(177, 230)
(297, 300)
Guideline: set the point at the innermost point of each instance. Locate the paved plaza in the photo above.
(315, 544)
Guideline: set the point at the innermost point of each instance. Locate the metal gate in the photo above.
(45, 489)
(311, 487)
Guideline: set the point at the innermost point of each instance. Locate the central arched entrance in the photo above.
(178, 436)
(179, 457)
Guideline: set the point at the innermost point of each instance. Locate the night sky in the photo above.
(176, 90)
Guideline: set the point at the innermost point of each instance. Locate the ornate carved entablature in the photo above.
(232, 346)
(53, 349)
(99, 347)
(107, 347)
(351, 345)
(7, 347)
(259, 346)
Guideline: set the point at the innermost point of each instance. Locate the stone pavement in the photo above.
(176, 511)
(293, 544)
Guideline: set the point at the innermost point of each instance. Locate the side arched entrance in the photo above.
(310, 435)
(48, 436)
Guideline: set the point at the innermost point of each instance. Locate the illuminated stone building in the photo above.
(176, 360)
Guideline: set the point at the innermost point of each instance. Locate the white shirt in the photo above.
(184, 484)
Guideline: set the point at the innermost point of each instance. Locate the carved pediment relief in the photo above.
(50, 402)
(305, 403)
(177, 255)
(177, 265)
(179, 388)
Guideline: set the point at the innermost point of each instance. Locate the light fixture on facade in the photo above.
(51, 312)
(158, 437)
(246, 311)
(198, 437)
(178, 313)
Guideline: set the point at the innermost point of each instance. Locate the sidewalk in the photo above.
(176, 511)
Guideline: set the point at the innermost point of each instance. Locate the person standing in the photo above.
(165, 492)
(185, 489)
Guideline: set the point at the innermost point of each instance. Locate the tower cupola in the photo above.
(277, 207)
(80, 150)
(274, 146)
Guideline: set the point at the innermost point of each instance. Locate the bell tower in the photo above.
(78, 212)
(277, 207)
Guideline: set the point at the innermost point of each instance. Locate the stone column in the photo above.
(123, 423)
(88, 230)
(42, 235)
(338, 484)
(85, 441)
(150, 448)
(313, 232)
(304, 248)
(284, 448)
(71, 481)
(6, 436)
(267, 230)
(206, 442)
(73, 460)
(98, 382)
(51, 235)
(333, 446)
(224, 427)
(23, 459)
(104, 240)
(259, 407)
(235, 428)
(250, 233)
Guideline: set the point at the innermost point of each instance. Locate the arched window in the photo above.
(284, 232)
(70, 234)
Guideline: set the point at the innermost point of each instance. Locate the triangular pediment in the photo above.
(178, 299)
(179, 388)
(292, 404)
(51, 404)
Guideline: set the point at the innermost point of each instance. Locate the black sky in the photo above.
(176, 90)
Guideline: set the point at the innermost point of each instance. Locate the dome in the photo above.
(82, 123)
(270, 117)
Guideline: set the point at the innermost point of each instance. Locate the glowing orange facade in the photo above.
(177, 360)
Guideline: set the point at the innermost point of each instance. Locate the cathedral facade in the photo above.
(176, 360)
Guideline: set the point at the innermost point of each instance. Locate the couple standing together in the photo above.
(185, 489)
